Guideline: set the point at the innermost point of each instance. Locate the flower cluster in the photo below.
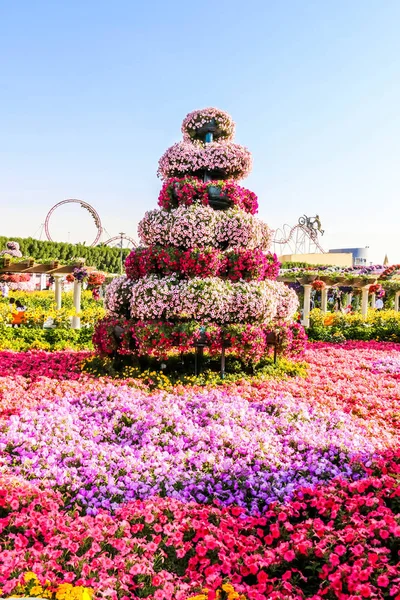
(111, 336)
(117, 297)
(15, 277)
(189, 190)
(80, 273)
(211, 299)
(201, 226)
(198, 118)
(234, 264)
(184, 158)
(96, 278)
(248, 264)
(287, 303)
(390, 272)
(318, 285)
(31, 586)
(36, 364)
(159, 338)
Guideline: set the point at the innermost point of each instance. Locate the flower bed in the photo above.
(110, 488)
(383, 325)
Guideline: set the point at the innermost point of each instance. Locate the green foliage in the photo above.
(104, 258)
(179, 370)
(22, 339)
(300, 265)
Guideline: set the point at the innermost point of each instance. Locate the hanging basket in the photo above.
(216, 200)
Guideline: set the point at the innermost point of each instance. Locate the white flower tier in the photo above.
(199, 226)
(207, 299)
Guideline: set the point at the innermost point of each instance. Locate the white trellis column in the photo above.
(76, 321)
(324, 299)
(306, 306)
(349, 298)
(373, 300)
(397, 300)
(364, 300)
(57, 291)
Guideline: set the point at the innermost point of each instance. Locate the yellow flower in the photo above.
(36, 590)
(29, 576)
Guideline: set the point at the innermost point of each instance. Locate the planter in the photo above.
(216, 200)
(215, 175)
(307, 279)
(329, 281)
(340, 280)
(27, 264)
(210, 127)
(359, 282)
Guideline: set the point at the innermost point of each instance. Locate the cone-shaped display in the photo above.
(203, 271)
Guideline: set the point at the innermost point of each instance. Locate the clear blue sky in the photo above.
(92, 92)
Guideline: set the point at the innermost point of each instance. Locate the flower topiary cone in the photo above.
(203, 270)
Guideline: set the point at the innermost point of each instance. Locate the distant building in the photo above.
(360, 255)
(341, 259)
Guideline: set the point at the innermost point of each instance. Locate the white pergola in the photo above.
(55, 270)
(356, 282)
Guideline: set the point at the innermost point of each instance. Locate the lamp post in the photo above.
(120, 244)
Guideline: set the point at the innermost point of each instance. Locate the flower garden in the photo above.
(282, 488)
(123, 475)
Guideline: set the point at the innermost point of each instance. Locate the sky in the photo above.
(92, 93)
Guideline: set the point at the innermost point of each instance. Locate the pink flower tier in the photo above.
(204, 269)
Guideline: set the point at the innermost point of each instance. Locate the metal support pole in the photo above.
(121, 242)
(223, 362)
(198, 360)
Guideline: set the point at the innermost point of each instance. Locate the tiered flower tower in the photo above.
(204, 273)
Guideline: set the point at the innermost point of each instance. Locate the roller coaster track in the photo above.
(311, 235)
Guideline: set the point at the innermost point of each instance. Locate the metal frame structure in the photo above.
(119, 238)
(301, 238)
